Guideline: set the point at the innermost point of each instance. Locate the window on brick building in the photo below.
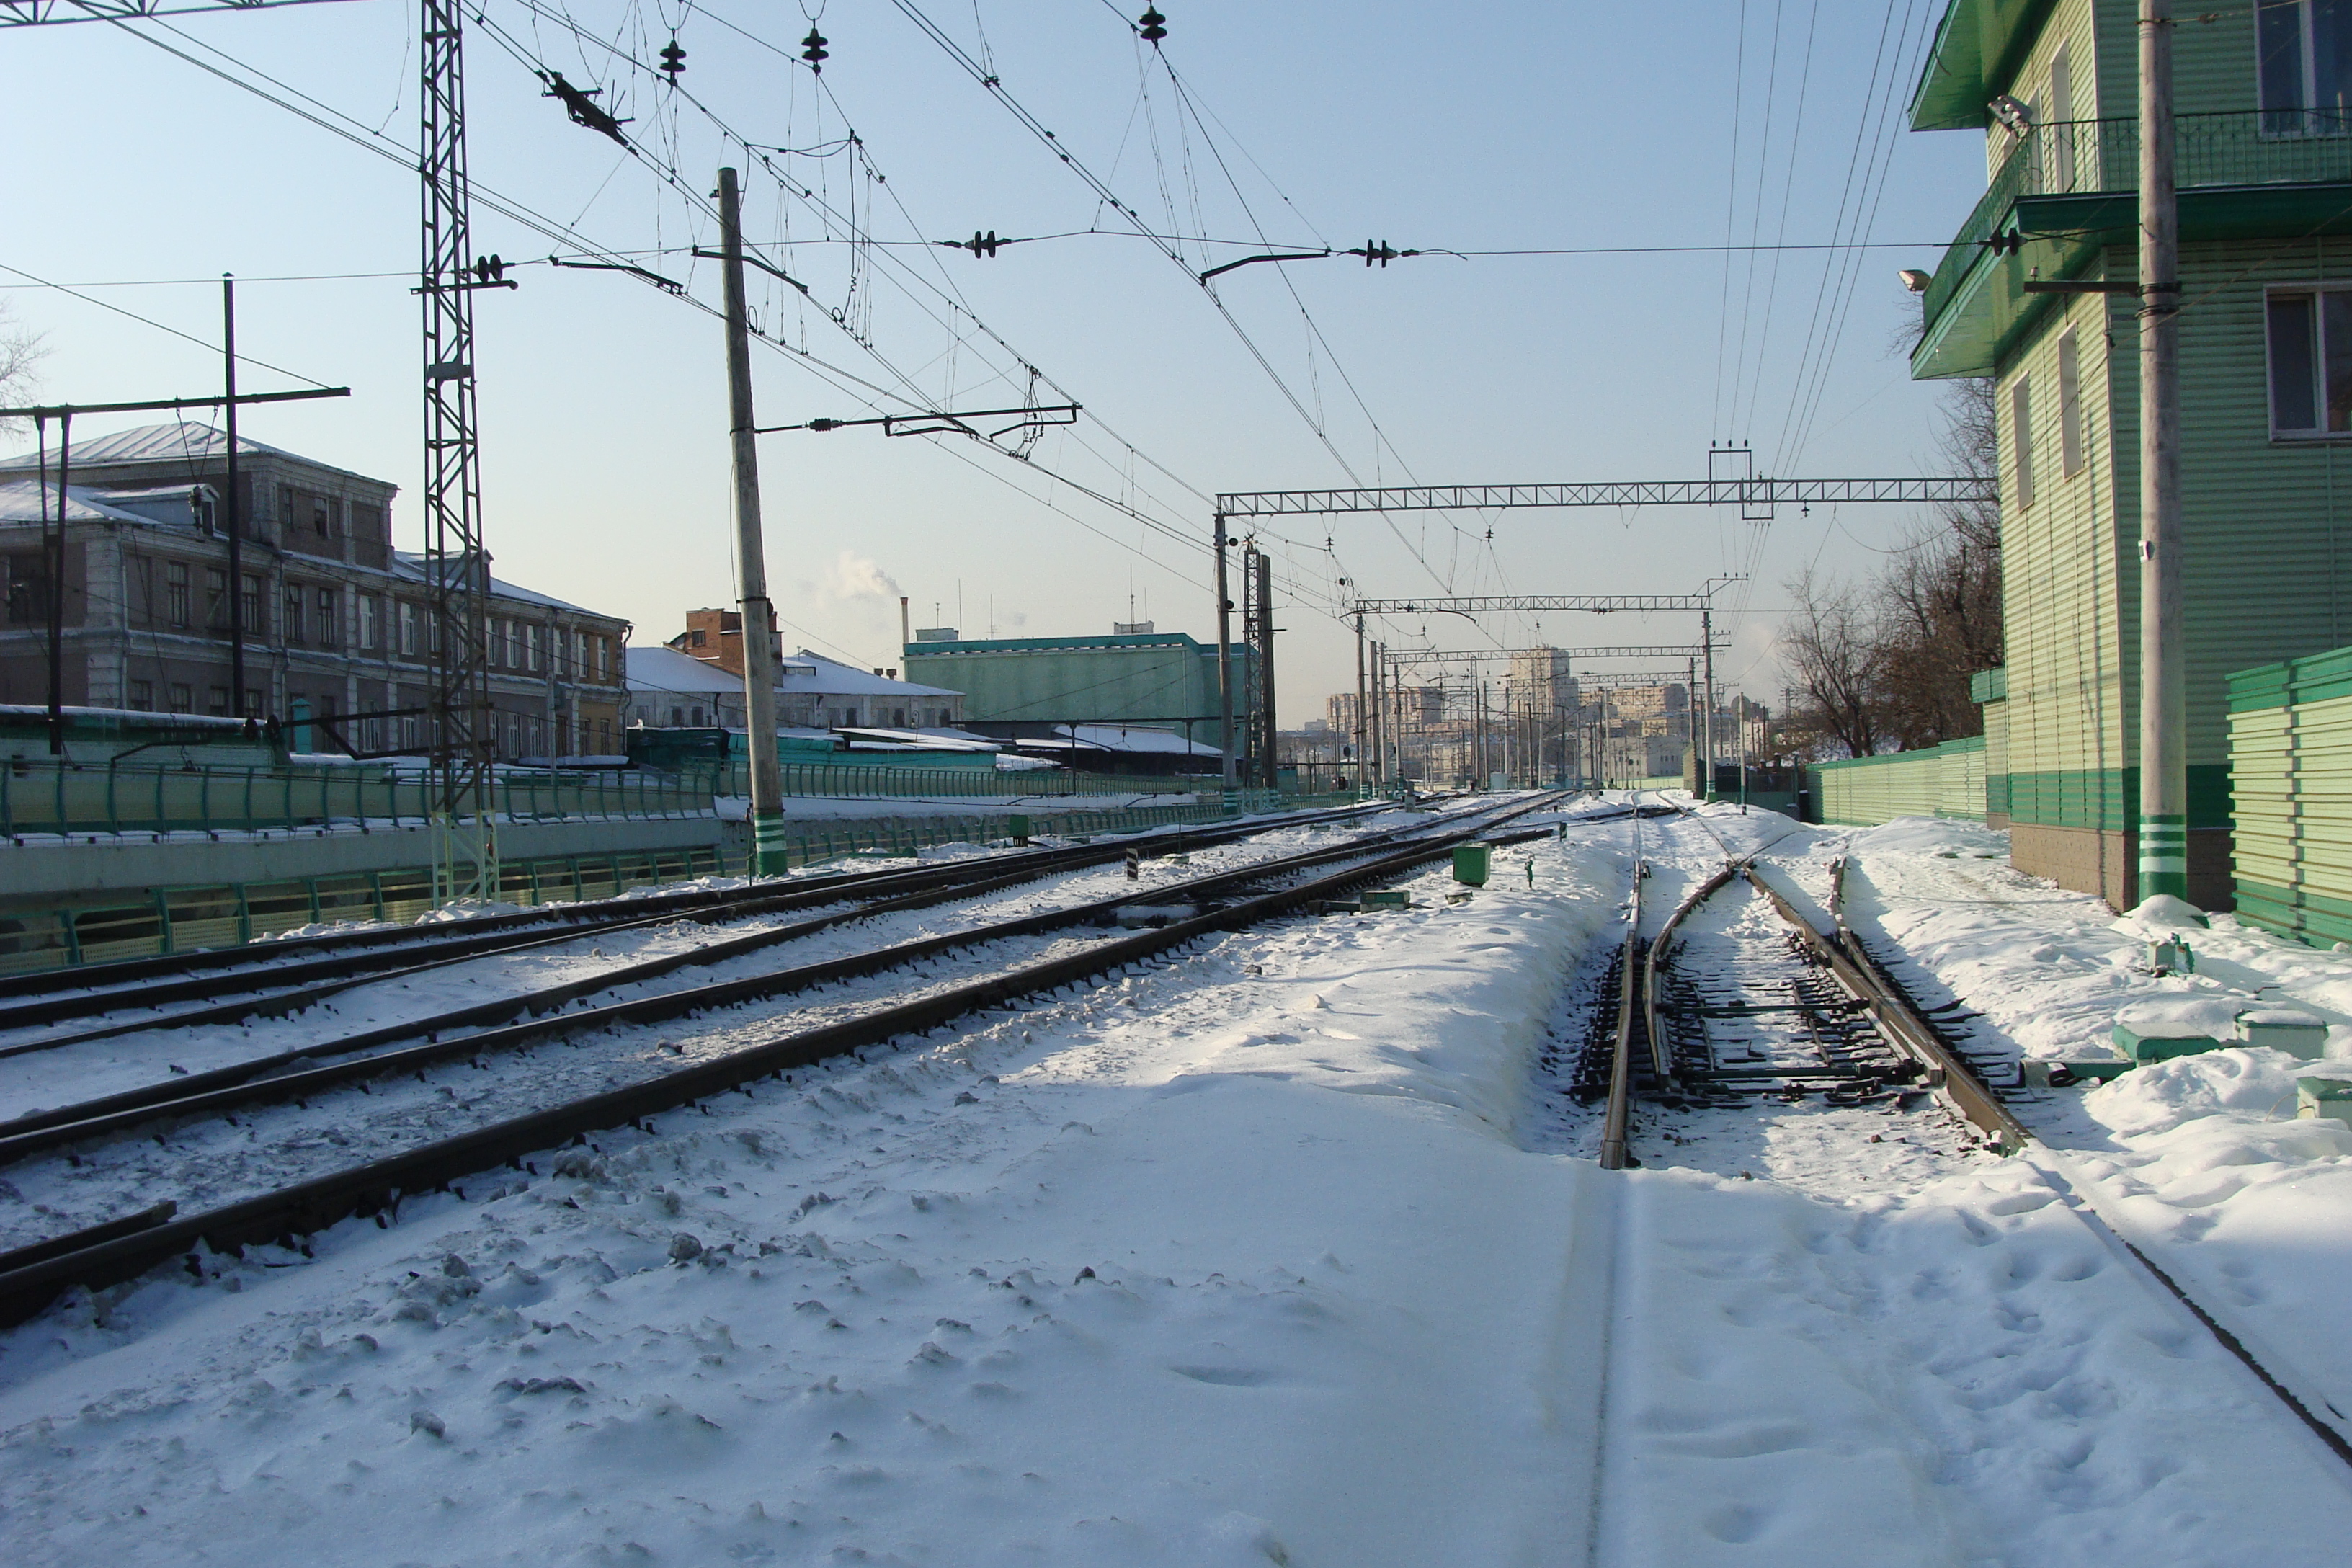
(176, 593)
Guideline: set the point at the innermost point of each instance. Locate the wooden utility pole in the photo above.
(2163, 684)
(751, 554)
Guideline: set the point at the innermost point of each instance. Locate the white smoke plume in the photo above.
(855, 576)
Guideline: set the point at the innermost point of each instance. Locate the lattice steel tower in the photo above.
(457, 566)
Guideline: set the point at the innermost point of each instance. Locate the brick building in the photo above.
(337, 625)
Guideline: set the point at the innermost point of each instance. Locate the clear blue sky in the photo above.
(1496, 127)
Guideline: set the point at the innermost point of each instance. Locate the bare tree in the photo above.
(1833, 646)
(21, 349)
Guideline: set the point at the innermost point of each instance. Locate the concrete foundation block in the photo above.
(2328, 1099)
(2284, 1028)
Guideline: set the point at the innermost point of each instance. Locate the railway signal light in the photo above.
(673, 60)
(1152, 26)
(812, 50)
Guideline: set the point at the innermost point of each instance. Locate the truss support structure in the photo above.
(1491, 655)
(1528, 603)
(1755, 498)
(457, 564)
(49, 12)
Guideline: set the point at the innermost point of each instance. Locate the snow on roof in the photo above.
(923, 740)
(182, 440)
(666, 668)
(661, 669)
(1129, 738)
(22, 500)
(809, 671)
(411, 566)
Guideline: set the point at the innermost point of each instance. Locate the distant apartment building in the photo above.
(338, 630)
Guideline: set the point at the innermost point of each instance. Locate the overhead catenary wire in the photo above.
(334, 120)
(1037, 129)
(855, 232)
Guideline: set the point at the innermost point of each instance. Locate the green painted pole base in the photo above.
(769, 855)
(2163, 857)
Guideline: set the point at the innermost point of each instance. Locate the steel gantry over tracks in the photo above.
(1752, 496)
(1528, 604)
(1490, 654)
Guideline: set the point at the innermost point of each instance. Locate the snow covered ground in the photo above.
(1270, 1252)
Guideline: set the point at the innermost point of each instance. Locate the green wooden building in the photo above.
(2263, 95)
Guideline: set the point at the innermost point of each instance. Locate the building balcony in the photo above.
(2071, 188)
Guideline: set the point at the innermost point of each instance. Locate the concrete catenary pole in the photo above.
(1362, 701)
(1224, 665)
(2163, 683)
(1272, 730)
(1706, 713)
(232, 508)
(750, 553)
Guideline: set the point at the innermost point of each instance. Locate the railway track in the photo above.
(125, 1245)
(1758, 1011)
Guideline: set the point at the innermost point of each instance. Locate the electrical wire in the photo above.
(35, 281)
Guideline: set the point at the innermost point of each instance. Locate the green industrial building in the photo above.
(2264, 161)
(1025, 688)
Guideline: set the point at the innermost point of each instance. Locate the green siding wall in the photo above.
(2291, 756)
(1945, 781)
(2267, 546)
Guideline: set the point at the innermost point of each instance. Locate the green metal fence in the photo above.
(175, 919)
(2290, 796)
(2090, 157)
(1937, 781)
(182, 920)
(47, 797)
(897, 781)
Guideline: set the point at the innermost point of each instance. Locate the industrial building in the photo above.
(2263, 147)
(337, 626)
(1136, 689)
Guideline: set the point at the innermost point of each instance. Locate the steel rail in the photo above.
(1962, 1090)
(311, 1206)
(262, 1080)
(1954, 1080)
(1616, 1122)
(1659, 1062)
(1893, 1003)
(586, 913)
(337, 973)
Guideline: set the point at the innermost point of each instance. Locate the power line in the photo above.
(34, 281)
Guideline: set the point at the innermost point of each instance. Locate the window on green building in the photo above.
(2020, 432)
(2070, 406)
(2310, 344)
(2303, 66)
